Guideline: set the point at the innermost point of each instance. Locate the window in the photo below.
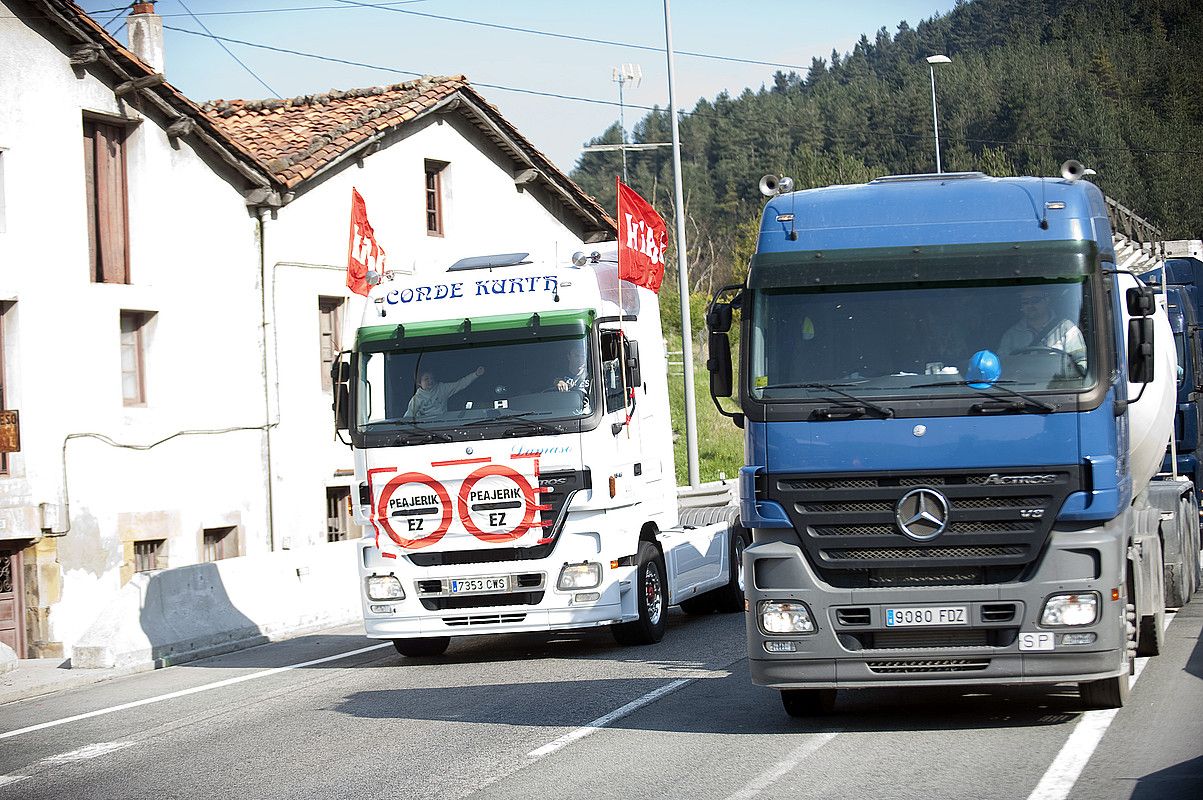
(133, 357)
(104, 176)
(338, 513)
(149, 555)
(329, 317)
(434, 197)
(4, 307)
(219, 543)
(2, 214)
(612, 373)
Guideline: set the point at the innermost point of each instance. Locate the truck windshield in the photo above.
(924, 340)
(413, 388)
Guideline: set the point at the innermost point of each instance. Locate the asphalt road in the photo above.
(577, 716)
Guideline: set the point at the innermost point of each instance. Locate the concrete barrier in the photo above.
(181, 614)
(8, 659)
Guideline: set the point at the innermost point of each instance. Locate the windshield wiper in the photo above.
(521, 417)
(856, 402)
(1029, 403)
(420, 433)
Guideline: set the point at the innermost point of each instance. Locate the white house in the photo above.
(172, 290)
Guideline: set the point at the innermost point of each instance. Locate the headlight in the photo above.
(385, 587)
(1070, 609)
(579, 576)
(786, 616)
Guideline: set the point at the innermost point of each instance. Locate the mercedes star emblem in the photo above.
(922, 514)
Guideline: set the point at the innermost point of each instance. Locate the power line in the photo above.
(229, 52)
(570, 37)
(711, 114)
(480, 23)
(396, 71)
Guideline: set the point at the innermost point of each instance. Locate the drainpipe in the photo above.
(264, 213)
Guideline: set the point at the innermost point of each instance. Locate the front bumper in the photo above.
(853, 647)
(426, 611)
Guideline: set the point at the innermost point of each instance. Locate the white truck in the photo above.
(513, 454)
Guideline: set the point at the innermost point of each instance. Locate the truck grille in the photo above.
(997, 523)
(482, 619)
(928, 665)
(561, 486)
(482, 601)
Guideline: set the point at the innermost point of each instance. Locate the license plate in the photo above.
(1042, 640)
(476, 585)
(927, 615)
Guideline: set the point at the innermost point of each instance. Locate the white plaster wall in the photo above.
(483, 213)
(194, 264)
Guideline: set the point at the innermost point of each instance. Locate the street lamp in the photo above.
(621, 75)
(935, 124)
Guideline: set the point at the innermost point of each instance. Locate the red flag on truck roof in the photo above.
(363, 253)
(642, 240)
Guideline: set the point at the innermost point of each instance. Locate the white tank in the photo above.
(1151, 419)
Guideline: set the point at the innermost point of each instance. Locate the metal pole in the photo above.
(622, 125)
(935, 122)
(691, 436)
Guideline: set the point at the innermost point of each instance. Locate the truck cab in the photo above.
(513, 447)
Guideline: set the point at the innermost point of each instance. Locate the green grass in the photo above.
(720, 443)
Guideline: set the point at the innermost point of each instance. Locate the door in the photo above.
(12, 618)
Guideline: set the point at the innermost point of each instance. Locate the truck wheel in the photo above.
(651, 599)
(808, 702)
(1107, 693)
(1179, 581)
(423, 647)
(730, 598)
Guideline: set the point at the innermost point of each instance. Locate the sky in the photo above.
(558, 91)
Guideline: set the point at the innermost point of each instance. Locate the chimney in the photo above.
(146, 34)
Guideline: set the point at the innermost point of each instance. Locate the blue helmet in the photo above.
(984, 369)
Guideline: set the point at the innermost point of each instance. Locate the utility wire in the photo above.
(570, 37)
(119, 11)
(703, 115)
(229, 52)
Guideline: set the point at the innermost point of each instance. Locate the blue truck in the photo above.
(1180, 280)
(956, 409)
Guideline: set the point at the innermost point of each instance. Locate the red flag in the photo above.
(363, 253)
(642, 240)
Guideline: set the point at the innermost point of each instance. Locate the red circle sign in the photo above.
(430, 483)
(528, 496)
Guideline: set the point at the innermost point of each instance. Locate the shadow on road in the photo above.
(1179, 782)
(725, 704)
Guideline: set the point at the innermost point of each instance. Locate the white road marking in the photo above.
(601, 722)
(85, 753)
(1063, 773)
(194, 690)
(783, 767)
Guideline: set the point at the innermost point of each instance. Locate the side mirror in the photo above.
(1142, 301)
(1140, 349)
(340, 375)
(719, 364)
(342, 405)
(633, 373)
(718, 317)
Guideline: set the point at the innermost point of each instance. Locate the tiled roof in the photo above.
(299, 136)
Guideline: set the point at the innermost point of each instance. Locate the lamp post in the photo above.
(935, 124)
(691, 436)
(621, 75)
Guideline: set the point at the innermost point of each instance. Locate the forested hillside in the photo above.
(1116, 84)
